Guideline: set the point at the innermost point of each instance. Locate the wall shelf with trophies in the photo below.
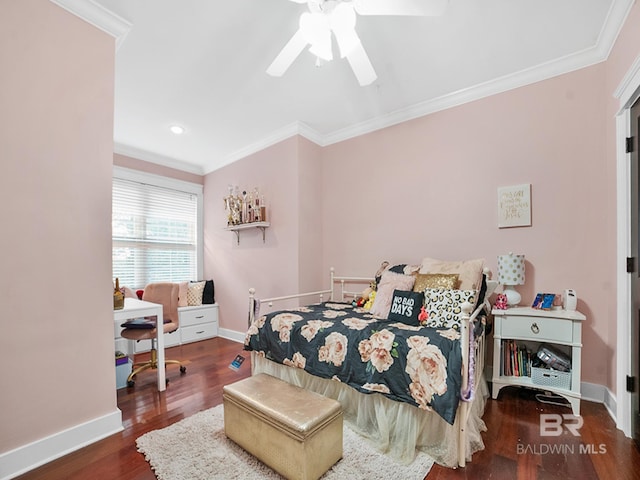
(244, 226)
(245, 209)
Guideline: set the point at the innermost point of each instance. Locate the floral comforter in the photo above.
(417, 365)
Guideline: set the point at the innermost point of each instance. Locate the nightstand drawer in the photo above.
(199, 332)
(538, 328)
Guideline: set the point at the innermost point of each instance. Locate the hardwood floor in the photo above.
(514, 448)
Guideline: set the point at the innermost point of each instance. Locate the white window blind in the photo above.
(155, 234)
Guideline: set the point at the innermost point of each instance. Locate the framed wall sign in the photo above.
(514, 206)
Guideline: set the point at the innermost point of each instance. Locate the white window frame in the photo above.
(174, 184)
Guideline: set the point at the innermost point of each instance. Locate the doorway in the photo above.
(635, 276)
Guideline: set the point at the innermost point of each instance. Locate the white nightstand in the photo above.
(533, 327)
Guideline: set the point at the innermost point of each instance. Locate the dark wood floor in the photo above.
(514, 448)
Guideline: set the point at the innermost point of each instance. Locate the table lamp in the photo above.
(511, 273)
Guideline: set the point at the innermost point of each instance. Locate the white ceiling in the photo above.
(201, 64)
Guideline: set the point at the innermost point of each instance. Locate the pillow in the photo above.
(444, 307)
(194, 293)
(469, 271)
(405, 307)
(129, 293)
(447, 281)
(389, 281)
(208, 292)
(183, 289)
(404, 268)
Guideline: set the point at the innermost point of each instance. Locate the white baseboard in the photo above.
(23, 459)
(232, 335)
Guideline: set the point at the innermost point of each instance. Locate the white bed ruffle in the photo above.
(396, 428)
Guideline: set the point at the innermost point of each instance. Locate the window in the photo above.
(156, 229)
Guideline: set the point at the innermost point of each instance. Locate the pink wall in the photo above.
(57, 145)
(270, 266)
(428, 187)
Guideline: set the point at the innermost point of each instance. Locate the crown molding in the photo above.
(156, 158)
(98, 16)
(288, 131)
(598, 53)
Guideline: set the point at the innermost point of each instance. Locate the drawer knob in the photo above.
(535, 328)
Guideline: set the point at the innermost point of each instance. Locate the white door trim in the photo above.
(627, 93)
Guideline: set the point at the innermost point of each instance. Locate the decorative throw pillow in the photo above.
(194, 293)
(447, 281)
(208, 294)
(444, 307)
(469, 271)
(389, 281)
(404, 268)
(405, 307)
(183, 290)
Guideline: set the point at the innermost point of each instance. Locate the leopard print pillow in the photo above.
(444, 307)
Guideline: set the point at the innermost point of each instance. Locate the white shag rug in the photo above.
(197, 448)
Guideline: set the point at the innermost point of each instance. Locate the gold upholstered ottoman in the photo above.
(295, 432)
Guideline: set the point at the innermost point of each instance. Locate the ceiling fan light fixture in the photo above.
(338, 17)
(343, 24)
(316, 30)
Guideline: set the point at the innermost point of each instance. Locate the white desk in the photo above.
(134, 308)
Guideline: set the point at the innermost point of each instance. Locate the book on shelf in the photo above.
(516, 359)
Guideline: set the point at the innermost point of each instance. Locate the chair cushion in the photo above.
(147, 333)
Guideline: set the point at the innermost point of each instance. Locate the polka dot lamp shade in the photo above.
(511, 269)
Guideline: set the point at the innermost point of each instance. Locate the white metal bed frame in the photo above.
(469, 316)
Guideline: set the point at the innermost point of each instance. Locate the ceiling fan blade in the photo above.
(400, 7)
(287, 55)
(361, 65)
(299, 1)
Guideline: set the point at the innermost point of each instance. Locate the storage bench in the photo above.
(296, 432)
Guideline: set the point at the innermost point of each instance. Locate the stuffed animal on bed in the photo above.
(364, 296)
(423, 316)
(369, 303)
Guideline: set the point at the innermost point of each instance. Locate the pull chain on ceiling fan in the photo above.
(339, 17)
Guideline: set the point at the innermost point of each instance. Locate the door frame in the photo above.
(627, 93)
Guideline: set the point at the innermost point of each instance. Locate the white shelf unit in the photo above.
(534, 327)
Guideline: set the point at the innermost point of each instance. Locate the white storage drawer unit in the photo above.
(198, 322)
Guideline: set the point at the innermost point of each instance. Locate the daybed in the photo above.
(404, 385)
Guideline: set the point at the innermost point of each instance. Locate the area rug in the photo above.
(196, 448)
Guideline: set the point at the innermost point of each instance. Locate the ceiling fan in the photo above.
(339, 17)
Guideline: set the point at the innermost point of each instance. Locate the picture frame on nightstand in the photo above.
(544, 301)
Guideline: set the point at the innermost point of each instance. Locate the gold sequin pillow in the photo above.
(446, 281)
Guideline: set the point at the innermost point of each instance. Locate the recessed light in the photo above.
(176, 129)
